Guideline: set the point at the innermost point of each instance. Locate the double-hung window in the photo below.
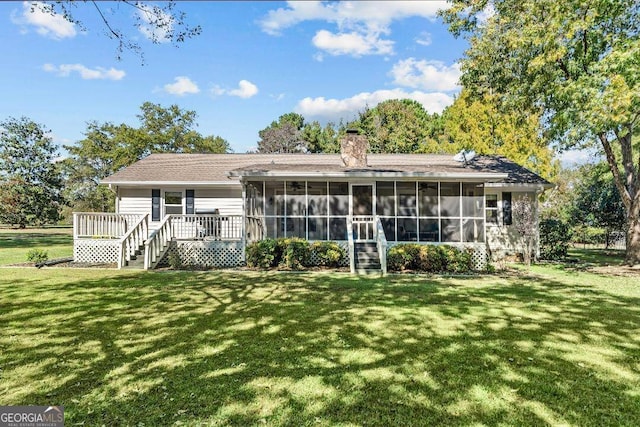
(173, 202)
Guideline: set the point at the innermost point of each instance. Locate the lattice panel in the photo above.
(344, 262)
(478, 256)
(205, 253)
(96, 251)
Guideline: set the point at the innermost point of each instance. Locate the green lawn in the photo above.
(15, 243)
(541, 346)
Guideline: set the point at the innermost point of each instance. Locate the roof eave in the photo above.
(169, 183)
(486, 176)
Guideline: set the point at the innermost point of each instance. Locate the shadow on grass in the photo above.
(321, 349)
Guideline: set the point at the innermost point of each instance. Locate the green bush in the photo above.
(37, 255)
(295, 253)
(587, 235)
(329, 254)
(291, 253)
(263, 254)
(398, 258)
(554, 239)
(429, 258)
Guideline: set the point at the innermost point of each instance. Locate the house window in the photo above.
(173, 202)
(491, 209)
(155, 204)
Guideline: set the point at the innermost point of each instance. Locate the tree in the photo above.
(107, 148)
(171, 130)
(576, 60)
(283, 135)
(395, 126)
(320, 139)
(479, 124)
(29, 179)
(160, 24)
(597, 201)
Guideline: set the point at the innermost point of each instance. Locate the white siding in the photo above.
(503, 239)
(227, 199)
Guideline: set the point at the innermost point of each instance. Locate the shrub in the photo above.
(398, 258)
(429, 258)
(460, 261)
(295, 253)
(554, 239)
(263, 254)
(329, 254)
(37, 255)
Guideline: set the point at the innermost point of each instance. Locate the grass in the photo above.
(542, 346)
(15, 243)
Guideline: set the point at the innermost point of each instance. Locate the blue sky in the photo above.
(253, 62)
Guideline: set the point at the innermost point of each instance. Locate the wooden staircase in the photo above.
(367, 258)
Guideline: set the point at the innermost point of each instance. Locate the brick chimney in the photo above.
(353, 149)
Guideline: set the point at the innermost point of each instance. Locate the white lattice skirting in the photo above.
(206, 253)
(96, 251)
(478, 256)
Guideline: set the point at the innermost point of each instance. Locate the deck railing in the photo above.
(92, 225)
(133, 240)
(207, 227)
(363, 228)
(255, 229)
(381, 241)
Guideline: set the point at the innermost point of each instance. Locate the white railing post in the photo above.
(381, 241)
(352, 259)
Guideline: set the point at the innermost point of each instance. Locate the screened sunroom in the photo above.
(410, 211)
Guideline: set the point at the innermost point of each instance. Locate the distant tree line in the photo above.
(36, 186)
(404, 126)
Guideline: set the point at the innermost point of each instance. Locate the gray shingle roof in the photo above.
(204, 168)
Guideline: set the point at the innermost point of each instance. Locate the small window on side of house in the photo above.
(491, 209)
(173, 202)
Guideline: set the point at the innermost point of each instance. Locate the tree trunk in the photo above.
(633, 233)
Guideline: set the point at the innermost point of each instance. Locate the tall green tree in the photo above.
(30, 181)
(321, 139)
(107, 148)
(577, 60)
(396, 126)
(283, 135)
(479, 124)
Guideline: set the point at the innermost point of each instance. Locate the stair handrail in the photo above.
(381, 242)
(156, 242)
(351, 247)
(132, 240)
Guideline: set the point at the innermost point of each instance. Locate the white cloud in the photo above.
(360, 24)
(46, 22)
(353, 43)
(426, 75)
(424, 39)
(182, 86)
(157, 25)
(98, 73)
(245, 90)
(572, 158)
(374, 15)
(348, 108)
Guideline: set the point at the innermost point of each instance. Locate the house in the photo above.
(205, 208)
